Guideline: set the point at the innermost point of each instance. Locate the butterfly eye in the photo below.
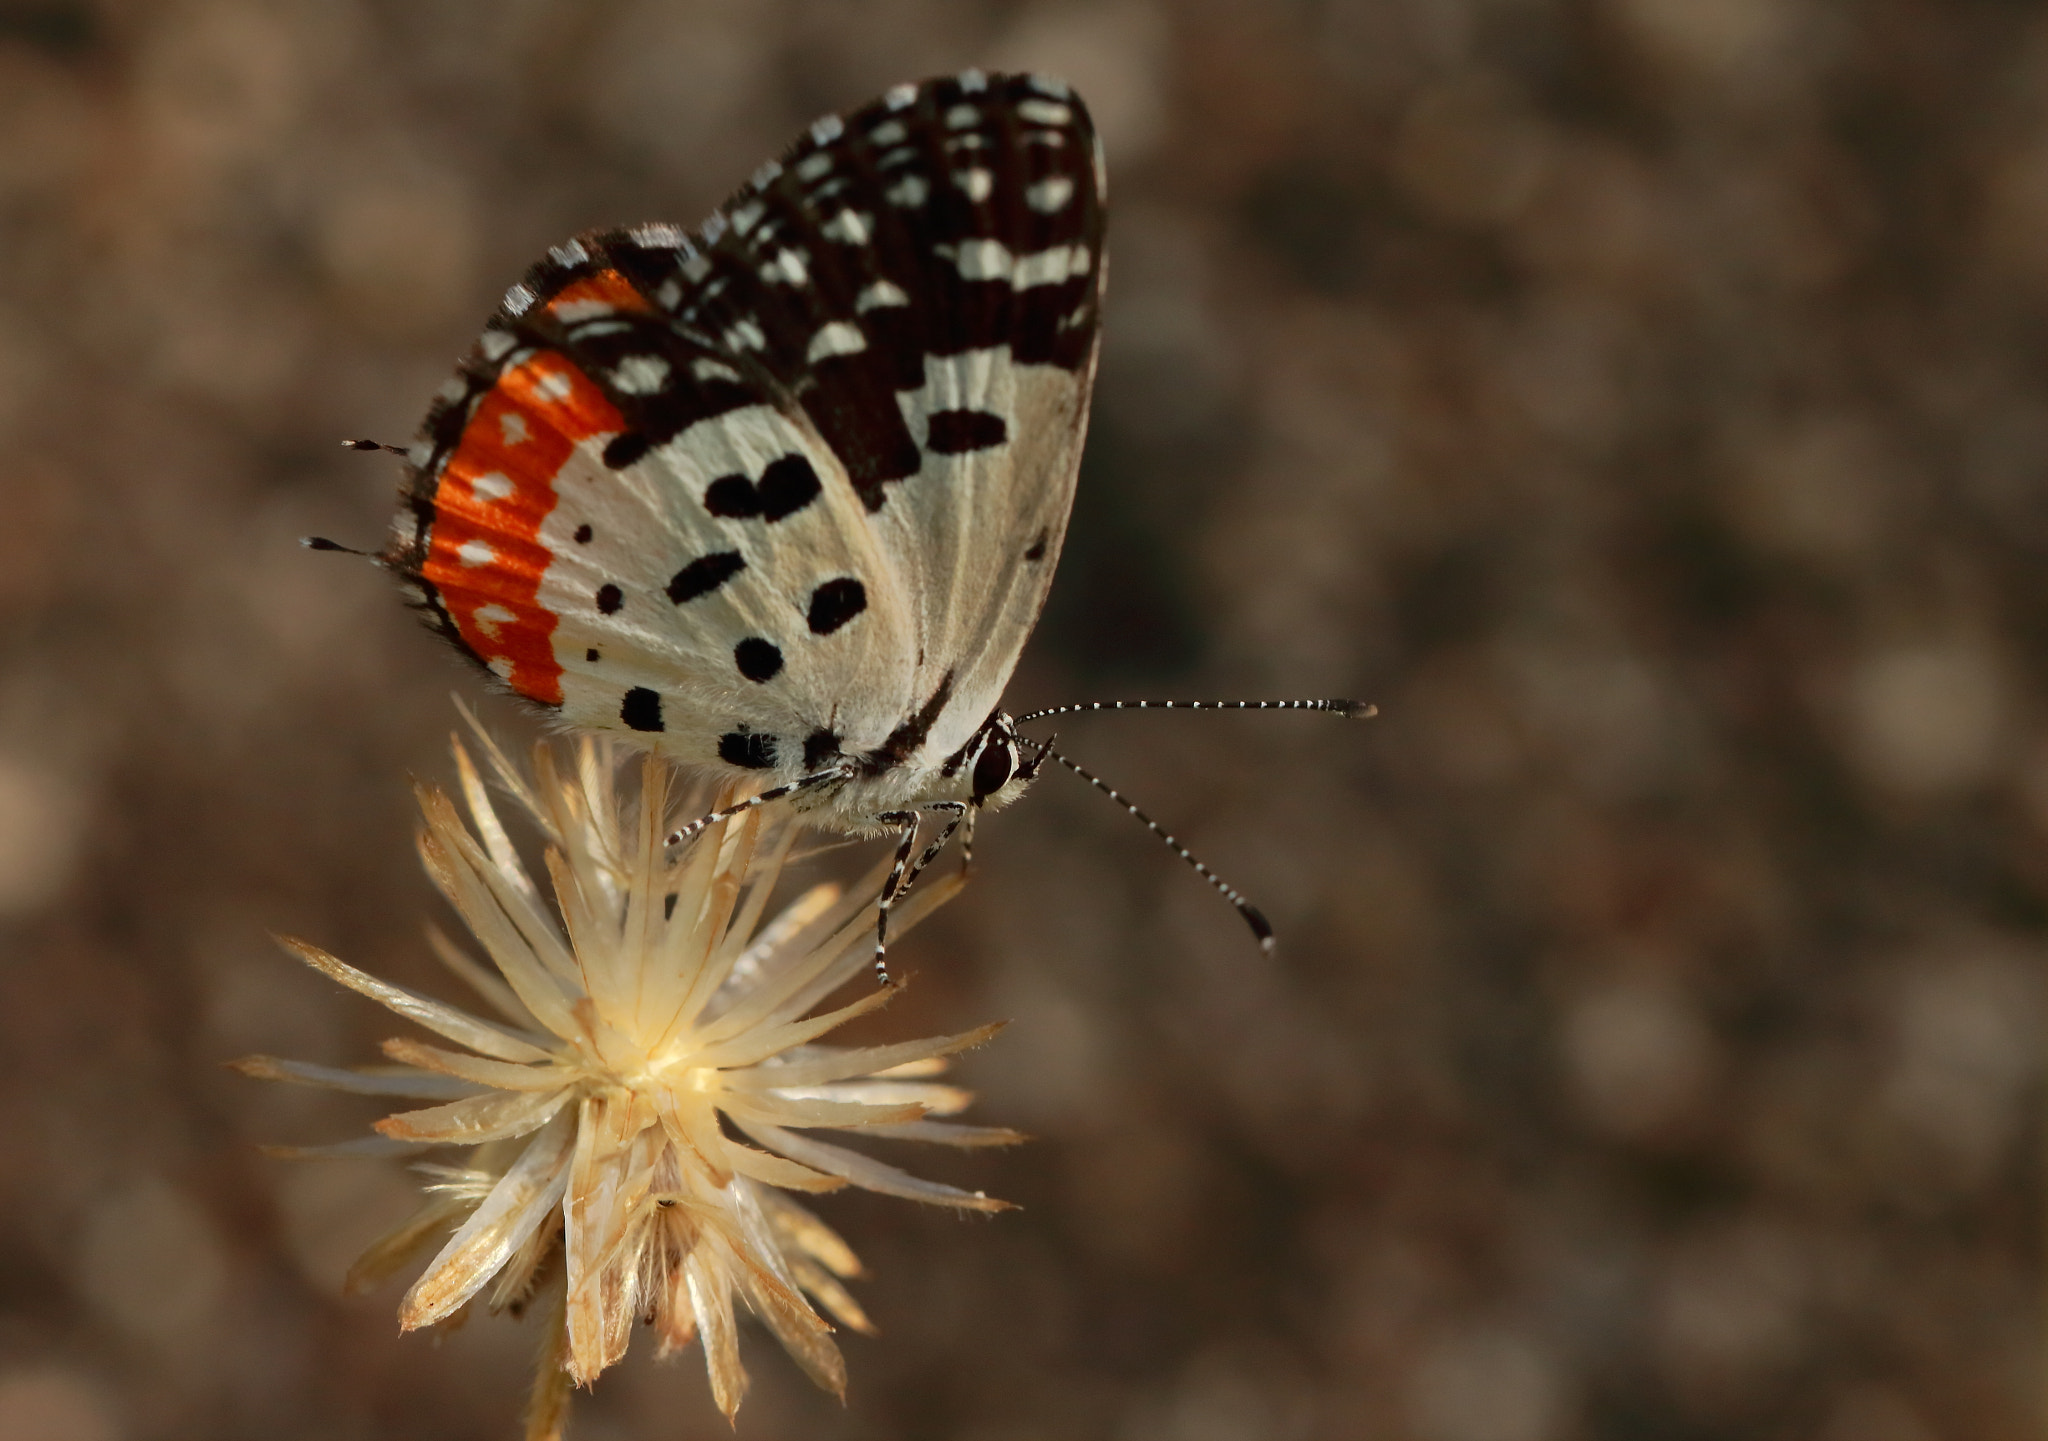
(992, 768)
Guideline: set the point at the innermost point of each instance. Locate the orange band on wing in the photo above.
(485, 556)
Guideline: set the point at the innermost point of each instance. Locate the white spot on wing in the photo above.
(900, 96)
(1050, 194)
(453, 389)
(658, 236)
(667, 296)
(495, 343)
(889, 132)
(569, 253)
(748, 216)
(827, 128)
(640, 374)
(983, 260)
(1044, 112)
(976, 182)
(519, 299)
(848, 227)
(814, 167)
(490, 617)
(475, 553)
(991, 260)
(1050, 267)
(745, 335)
(571, 311)
(962, 116)
(972, 81)
(787, 267)
(696, 268)
(492, 485)
(707, 369)
(1049, 85)
(512, 426)
(766, 175)
(838, 337)
(553, 385)
(879, 294)
(908, 192)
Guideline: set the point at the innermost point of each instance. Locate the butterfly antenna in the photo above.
(375, 445)
(1253, 916)
(321, 542)
(1349, 709)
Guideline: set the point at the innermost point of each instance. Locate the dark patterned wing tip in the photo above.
(965, 213)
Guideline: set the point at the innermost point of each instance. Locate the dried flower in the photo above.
(643, 1024)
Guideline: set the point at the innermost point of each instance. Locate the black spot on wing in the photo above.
(625, 448)
(835, 603)
(609, 598)
(957, 432)
(732, 497)
(590, 655)
(759, 660)
(787, 486)
(747, 749)
(583, 534)
(640, 709)
(704, 574)
(1036, 551)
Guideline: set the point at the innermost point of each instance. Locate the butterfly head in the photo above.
(1000, 763)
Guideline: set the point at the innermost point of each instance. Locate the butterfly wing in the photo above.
(792, 487)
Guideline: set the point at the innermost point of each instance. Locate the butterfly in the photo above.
(782, 497)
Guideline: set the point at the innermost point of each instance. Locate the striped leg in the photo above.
(773, 793)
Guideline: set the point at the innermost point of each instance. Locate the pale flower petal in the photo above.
(865, 1171)
(498, 1227)
(475, 1120)
(443, 1020)
(362, 1082)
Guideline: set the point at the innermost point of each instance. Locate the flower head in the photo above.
(650, 1085)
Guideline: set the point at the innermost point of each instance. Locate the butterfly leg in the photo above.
(892, 887)
(773, 793)
(959, 812)
(967, 845)
(900, 881)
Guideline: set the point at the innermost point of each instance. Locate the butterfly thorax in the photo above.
(860, 794)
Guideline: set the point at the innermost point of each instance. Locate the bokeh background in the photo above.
(1642, 400)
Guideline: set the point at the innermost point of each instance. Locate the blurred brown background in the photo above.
(1642, 400)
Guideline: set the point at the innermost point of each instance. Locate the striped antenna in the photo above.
(1253, 916)
(1350, 709)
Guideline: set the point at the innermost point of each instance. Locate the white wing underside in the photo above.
(956, 566)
